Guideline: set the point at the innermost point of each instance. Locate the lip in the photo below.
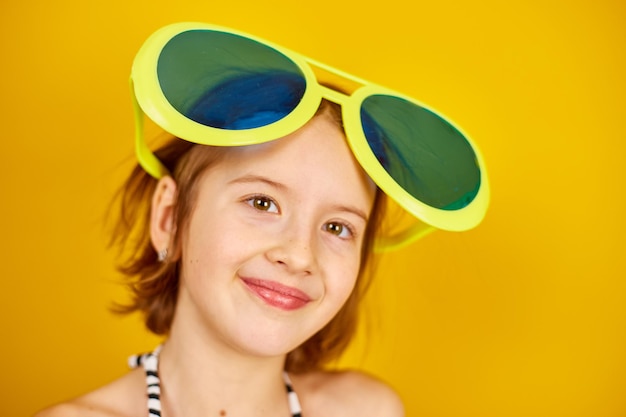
(277, 295)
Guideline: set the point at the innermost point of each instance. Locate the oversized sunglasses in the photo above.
(216, 86)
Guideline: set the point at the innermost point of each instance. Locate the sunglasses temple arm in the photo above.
(404, 238)
(338, 72)
(146, 158)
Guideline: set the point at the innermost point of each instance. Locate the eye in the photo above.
(339, 229)
(263, 203)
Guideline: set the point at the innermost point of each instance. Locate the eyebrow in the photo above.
(248, 179)
(353, 210)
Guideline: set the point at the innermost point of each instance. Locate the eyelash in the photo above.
(260, 202)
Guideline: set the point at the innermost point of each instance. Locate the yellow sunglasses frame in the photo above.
(149, 99)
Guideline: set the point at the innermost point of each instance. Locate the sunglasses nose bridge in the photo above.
(334, 95)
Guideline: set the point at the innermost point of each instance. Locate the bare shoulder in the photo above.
(123, 397)
(70, 409)
(345, 394)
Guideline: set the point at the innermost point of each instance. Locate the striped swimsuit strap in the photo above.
(150, 363)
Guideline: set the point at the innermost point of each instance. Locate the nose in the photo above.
(294, 251)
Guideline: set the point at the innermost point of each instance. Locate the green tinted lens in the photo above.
(422, 152)
(228, 81)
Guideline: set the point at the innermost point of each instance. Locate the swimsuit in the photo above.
(150, 363)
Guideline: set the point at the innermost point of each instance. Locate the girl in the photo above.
(246, 243)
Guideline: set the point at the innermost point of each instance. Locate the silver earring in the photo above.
(162, 255)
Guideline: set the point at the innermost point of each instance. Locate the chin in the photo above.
(274, 342)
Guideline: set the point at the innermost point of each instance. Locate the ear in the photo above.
(162, 225)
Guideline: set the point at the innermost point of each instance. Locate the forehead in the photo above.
(314, 158)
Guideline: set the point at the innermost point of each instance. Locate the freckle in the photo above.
(222, 413)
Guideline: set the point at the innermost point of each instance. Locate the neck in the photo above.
(202, 376)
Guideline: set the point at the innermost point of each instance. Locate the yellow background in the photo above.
(523, 316)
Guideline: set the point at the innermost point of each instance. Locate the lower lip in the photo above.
(276, 295)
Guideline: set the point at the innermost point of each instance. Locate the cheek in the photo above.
(207, 236)
(344, 281)
(200, 250)
(214, 248)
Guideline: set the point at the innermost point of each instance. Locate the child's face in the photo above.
(272, 249)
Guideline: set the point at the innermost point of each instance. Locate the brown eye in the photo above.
(334, 228)
(263, 203)
(339, 229)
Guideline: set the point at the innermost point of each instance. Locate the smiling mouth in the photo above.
(277, 295)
